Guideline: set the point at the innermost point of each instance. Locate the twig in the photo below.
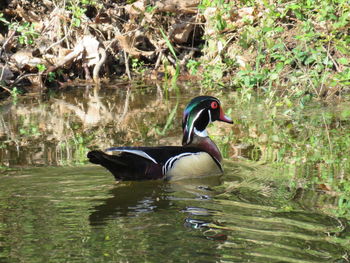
(86, 70)
(56, 43)
(8, 90)
(189, 48)
(66, 34)
(22, 76)
(111, 43)
(171, 60)
(127, 69)
(332, 92)
(159, 59)
(12, 34)
(95, 74)
(331, 58)
(2, 71)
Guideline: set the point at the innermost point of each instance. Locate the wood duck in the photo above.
(198, 155)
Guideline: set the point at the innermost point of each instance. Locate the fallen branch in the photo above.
(74, 54)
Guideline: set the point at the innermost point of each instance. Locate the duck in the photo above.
(197, 157)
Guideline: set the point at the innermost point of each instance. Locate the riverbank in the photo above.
(289, 50)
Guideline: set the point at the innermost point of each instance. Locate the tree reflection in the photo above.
(60, 130)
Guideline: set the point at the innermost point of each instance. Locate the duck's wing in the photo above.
(169, 158)
(139, 163)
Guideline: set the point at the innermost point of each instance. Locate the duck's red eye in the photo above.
(214, 105)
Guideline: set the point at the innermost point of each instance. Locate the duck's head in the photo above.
(198, 114)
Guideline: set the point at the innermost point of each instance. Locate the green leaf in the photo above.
(41, 67)
(168, 43)
(343, 61)
(345, 114)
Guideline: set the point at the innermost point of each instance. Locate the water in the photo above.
(78, 214)
(70, 213)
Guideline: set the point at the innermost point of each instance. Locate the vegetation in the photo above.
(286, 48)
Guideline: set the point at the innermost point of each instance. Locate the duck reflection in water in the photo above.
(132, 198)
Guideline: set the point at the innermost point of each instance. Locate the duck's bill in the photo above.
(224, 117)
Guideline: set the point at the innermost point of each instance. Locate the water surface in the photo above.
(53, 210)
(78, 214)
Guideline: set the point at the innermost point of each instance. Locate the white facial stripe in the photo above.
(136, 152)
(209, 116)
(191, 127)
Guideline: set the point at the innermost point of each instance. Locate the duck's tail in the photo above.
(126, 167)
(110, 162)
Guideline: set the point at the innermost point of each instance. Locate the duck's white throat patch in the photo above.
(203, 133)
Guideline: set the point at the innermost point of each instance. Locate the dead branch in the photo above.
(99, 64)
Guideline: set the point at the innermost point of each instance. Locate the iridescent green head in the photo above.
(198, 114)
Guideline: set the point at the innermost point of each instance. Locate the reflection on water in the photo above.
(80, 215)
(150, 196)
(58, 130)
(146, 197)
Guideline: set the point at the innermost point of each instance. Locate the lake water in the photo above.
(54, 207)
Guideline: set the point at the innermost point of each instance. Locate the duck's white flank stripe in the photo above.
(170, 163)
(136, 152)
